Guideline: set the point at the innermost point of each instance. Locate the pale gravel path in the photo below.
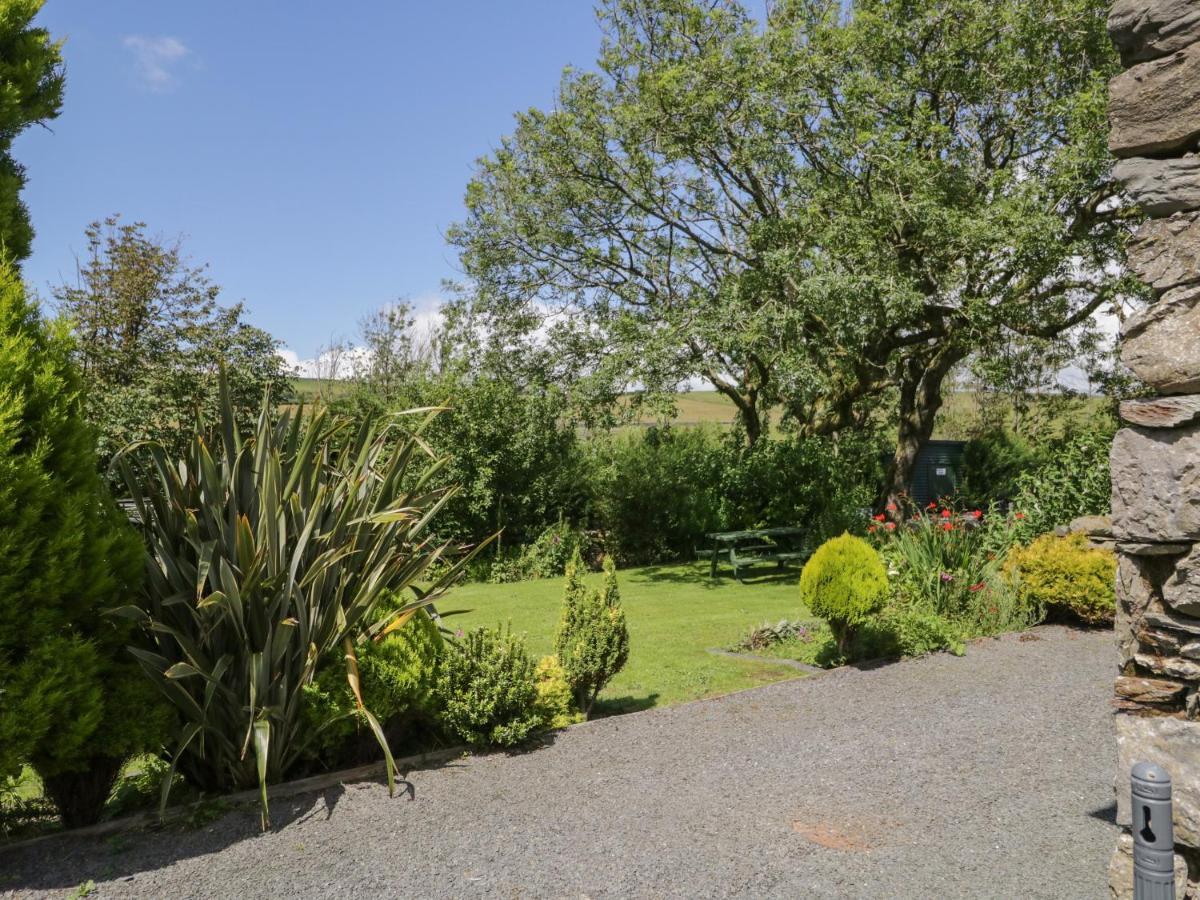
(985, 776)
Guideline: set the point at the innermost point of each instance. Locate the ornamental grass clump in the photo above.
(592, 641)
(269, 553)
(845, 583)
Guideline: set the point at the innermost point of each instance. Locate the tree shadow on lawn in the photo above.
(64, 861)
(698, 576)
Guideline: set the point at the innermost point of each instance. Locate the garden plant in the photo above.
(267, 553)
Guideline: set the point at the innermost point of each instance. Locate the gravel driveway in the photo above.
(983, 776)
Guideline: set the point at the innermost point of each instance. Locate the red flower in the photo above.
(890, 526)
(947, 526)
(891, 507)
(871, 529)
(945, 513)
(1019, 515)
(976, 514)
(977, 587)
(879, 518)
(932, 504)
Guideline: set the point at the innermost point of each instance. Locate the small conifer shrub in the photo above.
(592, 642)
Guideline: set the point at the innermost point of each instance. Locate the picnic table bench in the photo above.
(756, 546)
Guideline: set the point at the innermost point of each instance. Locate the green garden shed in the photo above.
(938, 471)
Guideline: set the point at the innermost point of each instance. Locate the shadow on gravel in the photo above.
(63, 862)
(1105, 813)
(618, 706)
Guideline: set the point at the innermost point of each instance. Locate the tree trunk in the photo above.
(920, 400)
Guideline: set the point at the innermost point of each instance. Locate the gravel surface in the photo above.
(983, 776)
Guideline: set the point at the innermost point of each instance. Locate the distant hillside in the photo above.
(958, 418)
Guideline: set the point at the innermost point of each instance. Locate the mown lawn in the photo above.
(675, 615)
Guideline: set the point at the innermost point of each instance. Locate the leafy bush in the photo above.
(657, 493)
(487, 689)
(555, 700)
(592, 641)
(1066, 576)
(397, 674)
(993, 464)
(1074, 481)
(912, 632)
(266, 555)
(844, 583)
(546, 557)
(67, 554)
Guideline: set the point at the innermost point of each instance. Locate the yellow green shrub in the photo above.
(1066, 576)
(844, 583)
(555, 699)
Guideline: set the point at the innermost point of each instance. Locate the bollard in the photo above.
(1153, 834)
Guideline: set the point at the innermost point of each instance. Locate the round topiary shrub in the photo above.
(845, 583)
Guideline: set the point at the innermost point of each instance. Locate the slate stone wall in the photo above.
(1154, 114)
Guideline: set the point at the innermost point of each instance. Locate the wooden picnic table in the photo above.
(753, 546)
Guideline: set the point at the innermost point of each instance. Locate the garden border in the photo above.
(282, 790)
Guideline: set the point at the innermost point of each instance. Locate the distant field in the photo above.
(958, 417)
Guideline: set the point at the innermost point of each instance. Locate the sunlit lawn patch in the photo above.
(676, 614)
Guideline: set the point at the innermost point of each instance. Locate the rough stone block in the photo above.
(1181, 591)
(1154, 108)
(1165, 253)
(1161, 187)
(1145, 29)
(1120, 871)
(1174, 744)
(1133, 596)
(1161, 344)
(1150, 690)
(1141, 548)
(1171, 666)
(1156, 484)
(1162, 412)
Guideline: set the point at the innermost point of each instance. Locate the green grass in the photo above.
(676, 614)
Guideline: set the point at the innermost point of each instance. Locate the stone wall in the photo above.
(1154, 113)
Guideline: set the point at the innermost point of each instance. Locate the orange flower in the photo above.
(1019, 515)
(890, 526)
(891, 507)
(871, 529)
(945, 513)
(947, 526)
(879, 518)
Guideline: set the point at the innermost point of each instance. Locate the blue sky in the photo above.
(312, 153)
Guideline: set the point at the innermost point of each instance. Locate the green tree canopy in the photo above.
(150, 337)
(822, 211)
(31, 86)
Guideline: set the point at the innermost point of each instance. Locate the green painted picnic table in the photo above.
(756, 545)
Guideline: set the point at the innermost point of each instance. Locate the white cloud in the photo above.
(156, 58)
